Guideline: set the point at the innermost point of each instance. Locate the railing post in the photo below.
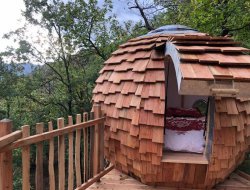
(6, 172)
(96, 158)
(101, 148)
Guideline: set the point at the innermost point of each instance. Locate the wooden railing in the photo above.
(80, 144)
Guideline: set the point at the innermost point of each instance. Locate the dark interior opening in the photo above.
(186, 121)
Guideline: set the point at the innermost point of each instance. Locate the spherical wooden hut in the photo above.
(152, 83)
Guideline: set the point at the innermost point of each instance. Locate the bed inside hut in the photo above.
(186, 124)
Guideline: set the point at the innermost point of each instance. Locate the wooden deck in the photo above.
(116, 180)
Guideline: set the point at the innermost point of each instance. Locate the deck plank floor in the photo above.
(115, 180)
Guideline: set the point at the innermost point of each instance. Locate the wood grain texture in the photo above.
(95, 178)
(26, 160)
(180, 157)
(50, 134)
(10, 138)
(86, 149)
(133, 99)
(78, 152)
(101, 148)
(70, 157)
(96, 150)
(6, 169)
(91, 147)
(52, 185)
(120, 181)
(61, 156)
(39, 159)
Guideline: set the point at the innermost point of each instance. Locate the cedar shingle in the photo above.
(231, 106)
(140, 65)
(158, 135)
(139, 42)
(155, 64)
(133, 49)
(131, 91)
(138, 55)
(135, 101)
(154, 76)
(220, 72)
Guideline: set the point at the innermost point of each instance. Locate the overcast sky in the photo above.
(11, 19)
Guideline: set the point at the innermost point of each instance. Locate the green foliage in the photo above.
(216, 17)
(8, 79)
(77, 36)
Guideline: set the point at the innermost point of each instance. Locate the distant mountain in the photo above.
(28, 68)
(25, 69)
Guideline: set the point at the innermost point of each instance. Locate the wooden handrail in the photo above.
(6, 158)
(50, 134)
(10, 138)
(85, 144)
(95, 178)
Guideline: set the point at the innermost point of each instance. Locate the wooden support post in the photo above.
(39, 159)
(71, 157)
(52, 185)
(61, 156)
(6, 173)
(26, 159)
(50, 134)
(101, 148)
(86, 151)
(91, 146)
(96, 158)
(78, 152)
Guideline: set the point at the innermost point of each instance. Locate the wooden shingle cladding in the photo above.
(131, 91)
(202, 68)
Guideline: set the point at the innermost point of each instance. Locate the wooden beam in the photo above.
(61, 156)
(210, 128)
(10, 138)
(184, 158)
(39, 159)
(86, 151)
(50, 134)
(6, 169)
(101, 148)
(52, 185)
(95, 178)
(26, 160)
(91, 146)
(78, 152)
(71, 157)
(224, 91)
(96, 156)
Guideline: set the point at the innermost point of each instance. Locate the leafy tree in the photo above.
(216, 17)
(8, 78)
(76, 38)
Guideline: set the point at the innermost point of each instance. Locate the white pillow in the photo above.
(186, 141)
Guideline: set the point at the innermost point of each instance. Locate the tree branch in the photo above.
(240, 28)
(141, 10)
(91, 42)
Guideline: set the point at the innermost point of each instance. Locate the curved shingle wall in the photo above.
(131, 91)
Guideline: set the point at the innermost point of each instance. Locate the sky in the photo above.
(11, 19)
